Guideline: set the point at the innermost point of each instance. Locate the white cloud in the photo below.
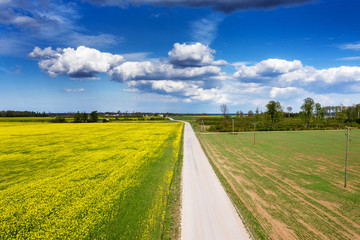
(351, 46)
(76, 90)
(82, 62)
(198, 78)
(329, 76)
(303, 75)
(30, 22)
(268, 68)
(24, 21)
(160, 71)
(46, 53)
(205, 29)
(193, 55)
(189, 91)
(284, 93)
(137, 56)
(339, 74)
(191, 74)
(356, 58)
(286, 72)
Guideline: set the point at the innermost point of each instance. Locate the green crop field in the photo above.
(26, 119)
(86, 180)
(290, 185)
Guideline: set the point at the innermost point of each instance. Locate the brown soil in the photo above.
(310, 228)
(279, 229)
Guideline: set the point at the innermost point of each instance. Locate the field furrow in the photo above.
(292, 182)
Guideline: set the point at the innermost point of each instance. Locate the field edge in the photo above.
(172, 221)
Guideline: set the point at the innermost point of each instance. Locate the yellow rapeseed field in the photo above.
(86, 180)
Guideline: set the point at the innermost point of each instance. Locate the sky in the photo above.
(184, 56)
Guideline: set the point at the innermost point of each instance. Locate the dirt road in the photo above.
(207, 212)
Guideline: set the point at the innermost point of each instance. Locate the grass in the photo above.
(86, 181)
(173, 217)
(291, 183)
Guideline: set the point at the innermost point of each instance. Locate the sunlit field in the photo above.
(290, 185)
(86, 180)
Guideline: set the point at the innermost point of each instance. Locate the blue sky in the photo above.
(192, 56)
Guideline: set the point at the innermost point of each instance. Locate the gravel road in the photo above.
(207, 212)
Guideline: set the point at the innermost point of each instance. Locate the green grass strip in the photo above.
(173, 212)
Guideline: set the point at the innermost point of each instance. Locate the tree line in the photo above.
(311, 116)
(11, 113)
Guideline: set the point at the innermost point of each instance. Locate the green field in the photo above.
(290, 185)
(196, 117)
(26, 119)
(87, 180)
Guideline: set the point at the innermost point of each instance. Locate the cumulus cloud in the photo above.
(268, 68)
(82, 62)
(193, 55)
(286, 79)
(190, 73)
(284, 93)
(339, 74)
(188, 91)
(329, 76)
(159, 71)
(46, 53)
(137, 56)
(224, 5)
(294, 71)
(186, 62)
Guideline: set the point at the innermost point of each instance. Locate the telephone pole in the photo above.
(346, 155)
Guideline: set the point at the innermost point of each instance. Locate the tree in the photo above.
(224, 110)
(257, 112)
(59, 120)
(308, 108)
(77, 117)
(289, 109)
(250, 113)
(357, 107)
(318, 110)
(340, 114)
(274, 110)
(84, 117)
(94, 116)
(351, 113)
(322, 113)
